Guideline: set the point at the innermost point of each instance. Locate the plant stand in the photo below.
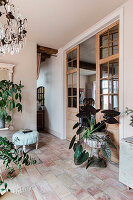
(95, 145)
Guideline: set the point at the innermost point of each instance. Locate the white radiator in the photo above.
(126, 162)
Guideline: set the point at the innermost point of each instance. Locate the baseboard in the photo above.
(57, 134)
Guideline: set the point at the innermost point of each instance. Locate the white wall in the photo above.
(25, 70)
(51, 77)
(128, 64)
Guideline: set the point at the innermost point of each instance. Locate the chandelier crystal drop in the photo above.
(12, 28)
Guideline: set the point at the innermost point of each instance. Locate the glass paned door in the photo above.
(107, 78)
(72, 91)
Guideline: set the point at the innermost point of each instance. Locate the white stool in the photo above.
(22, 139)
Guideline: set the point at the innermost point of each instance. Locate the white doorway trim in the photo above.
(116, 15)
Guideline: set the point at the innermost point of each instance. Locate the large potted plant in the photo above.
(10, 98)
(95, 135)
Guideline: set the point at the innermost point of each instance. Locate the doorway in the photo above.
(98, 57)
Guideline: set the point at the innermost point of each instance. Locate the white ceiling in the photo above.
(88, 50)
(53, 23)
(84, 72)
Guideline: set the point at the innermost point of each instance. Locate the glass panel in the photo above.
(74, 54)
(69, 57)
(104, 86)
(113, 41)
(75, 64)
(75, 82)
(110, 86)
(113, 68)
(110, 102)
(70, 93)
(113, 33)
(113, 85)
(75, 102)
(70, 102)
(69, 64)
(104, 39)
(104, 70)
(104, 52)
(113, 49)
(115, 102)
(104, 102)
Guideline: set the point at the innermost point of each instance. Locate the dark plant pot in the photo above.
(2, 123)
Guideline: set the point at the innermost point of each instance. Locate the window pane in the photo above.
(70, 102)
(75, 84)
(74, 54)
(75, 64)
(104, 102)
(113, 68)
(104, 52)
(113, 34)
(110, 102)
(104, 70)
(70, 93)
(75, 102)
(69, 57)
(113, 49)
(113, 85)
(115, 102)
(69, 64)
(104, 39)
(104, 86)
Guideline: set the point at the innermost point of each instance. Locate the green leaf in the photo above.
(80, 130)
(105, 150)
(5, 95)
(19, 106)
(76, 125)
(75, 146)
(16, 96)
(5, 185)
(8, 119)
(72, 141)
(83, 157)
(20, 97)
(11, 105)
(78, 152)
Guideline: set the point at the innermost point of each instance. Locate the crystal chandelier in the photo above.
(12, 28)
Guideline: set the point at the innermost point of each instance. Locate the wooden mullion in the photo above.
(108, 85)
(108, 59)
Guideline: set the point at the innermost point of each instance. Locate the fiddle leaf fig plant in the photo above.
(87, 129)
(10, 98)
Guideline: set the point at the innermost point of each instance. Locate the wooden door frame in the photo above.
(110, 19)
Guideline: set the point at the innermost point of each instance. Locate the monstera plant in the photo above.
(87, 127)
(10, 98)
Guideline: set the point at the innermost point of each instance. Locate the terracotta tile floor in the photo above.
(55, 177)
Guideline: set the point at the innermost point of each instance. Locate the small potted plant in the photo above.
(94, 134)
(10, 98)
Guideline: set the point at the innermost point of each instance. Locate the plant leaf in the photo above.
(105, 150)
(80, 130)
(76, 125)
(72, 141)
